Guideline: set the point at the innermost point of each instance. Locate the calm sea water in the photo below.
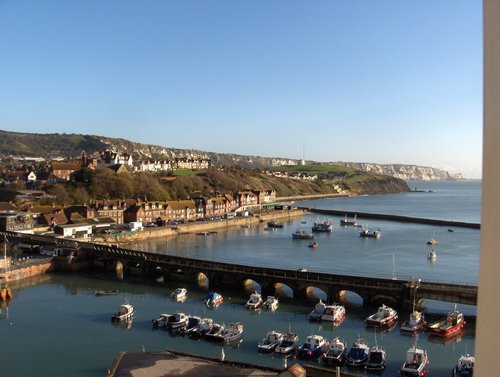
(58, 327)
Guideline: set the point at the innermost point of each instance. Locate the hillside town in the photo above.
(85, 220)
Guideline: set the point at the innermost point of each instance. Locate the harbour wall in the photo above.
(399, 218)
(197, 226)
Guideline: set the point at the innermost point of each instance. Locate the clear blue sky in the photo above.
(345, 80)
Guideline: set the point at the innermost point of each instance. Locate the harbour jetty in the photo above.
(156, 364)
(399, 218)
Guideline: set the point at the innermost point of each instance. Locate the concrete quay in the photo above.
(171, 363)
(399, 218)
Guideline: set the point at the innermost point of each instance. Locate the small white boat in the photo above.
(254, 302)
(313, 347)
(175, 321)
(225, 333)
(432, 256)
(370, 233)
(384, 316)
(288, 344)
(415, 362)
(464, 367)
(204, 326)
(271, 303)
(333, 313)
(270, 342)
(317, 312)
(125, 313)
(336, 352)
(180, 294)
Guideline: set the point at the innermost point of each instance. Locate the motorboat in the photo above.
(215, 332)
(383, 317)
(346, 222)
(357, 356)
(274, 224)
(175, 321)
(317, 312)
(453, 323)
(213, 300)
(204, 326)
(271, 303)
(254, 302)
(160, 321)
(192, 323)
(302, 235)
(325, 226)
(313, 347)
(432, 241)
(415, 323)
(415, 363)
(288, 343)
(336, 352)
(269, 343)
(179, 294)
(125, 313)
(106, 293)
(225, 333)
(333, 313)
(377, 359)
(464, 367)
(313, 244)
(432, 256)
(370, 233)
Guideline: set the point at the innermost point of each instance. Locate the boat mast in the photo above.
(394, 267)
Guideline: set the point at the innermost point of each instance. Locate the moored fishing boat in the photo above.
(271, 303)
(325, 226)
(204, 326)
(336, 352)
(125, 313)
(226, 333)
(357, 355)
(377, 359)
(415, 322)
(288, 343)
(333, 313)
(302, 235)
(464, 367)
(179, 294)
(270, 342)
(370, 233)
(453, 323)
(313, 347)
(384, 316)
(192, 323)
(213, 300)
(317, 312)
(346, 222)
(415, 363)
(254, 301)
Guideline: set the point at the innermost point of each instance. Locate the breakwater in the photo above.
(400, 218)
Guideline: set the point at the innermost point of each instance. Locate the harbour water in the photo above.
(58, 327)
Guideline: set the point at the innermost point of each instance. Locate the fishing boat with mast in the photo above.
(346, 222)
(449, 326)
(415, 363)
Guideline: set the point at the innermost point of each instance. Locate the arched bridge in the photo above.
(399, 293)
